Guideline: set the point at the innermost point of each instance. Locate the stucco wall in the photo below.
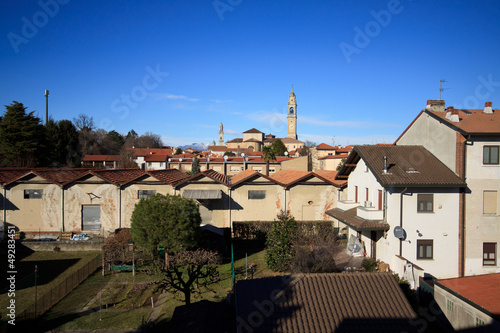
(436, 137)
(480, 227)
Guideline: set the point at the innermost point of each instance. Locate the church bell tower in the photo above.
(292, 116)
(221, 135)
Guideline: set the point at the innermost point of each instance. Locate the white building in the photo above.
(468, 142)
(402, 206)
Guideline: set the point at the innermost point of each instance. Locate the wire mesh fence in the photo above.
(44, 302)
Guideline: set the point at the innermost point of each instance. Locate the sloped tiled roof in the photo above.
(8, 175)
(217, 148)
(472, 121)
(155, 158)
(152, 151)
(351, 218)
(290, 140)
(212, 174)
(242, 176)
(334, 157)
(290, 177)
(101, 158)
(60, 176)
(253, 130)
(333, 302)
(408, 166)
(252, 140)
(346, 149)
(119, 176)
(482, 290)
(324, 146)
(168, 176)
(235, 140)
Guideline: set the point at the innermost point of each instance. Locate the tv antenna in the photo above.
(441, 87)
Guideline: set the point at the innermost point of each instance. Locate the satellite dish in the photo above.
(400, 233)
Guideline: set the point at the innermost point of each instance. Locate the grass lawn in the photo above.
(128, 297)
(53, 268)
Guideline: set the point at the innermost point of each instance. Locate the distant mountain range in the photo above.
(197, 146)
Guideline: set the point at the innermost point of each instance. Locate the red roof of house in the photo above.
(346, 149)
(168, 176)
(333, 157)
(150, 151)
(482, 290)
(118, 176)
(155, 158)
(253, 130)
(324, 146)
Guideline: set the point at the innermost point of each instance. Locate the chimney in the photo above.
(453, 114)
(487, 107)
(385, 164)
(435, 105)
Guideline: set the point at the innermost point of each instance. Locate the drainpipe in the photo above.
(401, 220)
(120, 207)
(463, 195)
(285, 198)
(4, 213)
(62, 208)
(229, 204)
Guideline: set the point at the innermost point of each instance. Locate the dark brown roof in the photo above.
(351, 218)
(407, 166)
(212, 174)
(333, 302)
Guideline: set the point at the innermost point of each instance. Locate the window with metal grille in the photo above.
(489, 254)
(256, 195)
(33, 194)
(425, 249)
(145, 194)
(425, 203)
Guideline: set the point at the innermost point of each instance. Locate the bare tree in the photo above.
(84, 122)
(189, 272)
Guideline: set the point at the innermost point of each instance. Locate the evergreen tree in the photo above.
(22, 137)
(278, 147)
(62, 139)
(165, 220)
(195, 166)
(280, 249)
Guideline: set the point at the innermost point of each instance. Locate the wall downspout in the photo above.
(284, 189)
(120, 207)
(62, 208)
(401, 220)
(229, 204)
(4, 208)
(463, 219)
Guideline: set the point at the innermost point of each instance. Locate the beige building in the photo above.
(97, 202)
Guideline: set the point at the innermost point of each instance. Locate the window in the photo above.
(33, 194)
(425, 203)
(450, 305)
(479, 322)
(161, 164)
(424, 249)
(490, 202)
(256, 195)
(145, 194)
(91, 217)
(355, 194)
(380, 200)
(367, 196)
(489, 254)
(490, 154)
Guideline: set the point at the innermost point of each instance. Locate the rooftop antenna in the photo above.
(441, 87)
(46, 106)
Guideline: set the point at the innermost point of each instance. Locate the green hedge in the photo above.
(257, 230)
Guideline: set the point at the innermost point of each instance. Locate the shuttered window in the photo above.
(490, 202)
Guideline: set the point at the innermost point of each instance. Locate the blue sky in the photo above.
(361, 70)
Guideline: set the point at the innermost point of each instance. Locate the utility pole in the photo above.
(46, 106)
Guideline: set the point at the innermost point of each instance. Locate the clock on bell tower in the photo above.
(292, 116)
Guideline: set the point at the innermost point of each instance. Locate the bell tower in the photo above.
(292, 116)
(221, 135)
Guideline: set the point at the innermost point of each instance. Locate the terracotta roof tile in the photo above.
(289, 176)
(290, 140)
(8, 175)
(333, 302)
(243, 175)
(482, 290)
(152, 151)
(60, 176)
(351, 218)
(472, 120)
(253, 130)
(168, 176)
(324, 146)
(101, 158)
(118, 176)
(155, 158)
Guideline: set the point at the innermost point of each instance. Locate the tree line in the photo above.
(26, 142)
